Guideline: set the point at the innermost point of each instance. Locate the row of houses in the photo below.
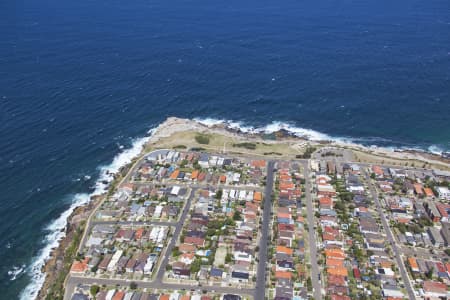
(424, 268)
(428, 269)
(413, 174)
(222, 239)
(413, 181)
(354, 246)
(427, 217)
(137, 295)
(106, 248)
(199, 167)
(288, 271)
(333, 241)
(376, 244)
(134, 202)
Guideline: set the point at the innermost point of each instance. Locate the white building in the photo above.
(242, 256)
(175, 190)
(236, 177)
(157, 212)
(110, 294)
(114, 259)
(443, 192)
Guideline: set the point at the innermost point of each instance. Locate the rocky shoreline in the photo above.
(55, 265)
(58, 265)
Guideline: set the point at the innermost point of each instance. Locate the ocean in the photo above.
(83, 82)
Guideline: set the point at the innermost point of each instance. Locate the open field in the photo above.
(219, 143)
(369, 157)
(182, 133)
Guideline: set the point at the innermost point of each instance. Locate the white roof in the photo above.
(443, 189)
(175, 190)
(110, 294)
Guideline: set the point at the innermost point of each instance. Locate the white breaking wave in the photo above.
(56, 227)
(16, 272)
(435, 150)
(210, 121)
(271, 128)
(56, 233)
(311, 134)
(107, 174)
(122, 159)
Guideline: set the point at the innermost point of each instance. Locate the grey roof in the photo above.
(136, 296)
(231, 297)
(79, 296)
(446, 232)
(216, 272)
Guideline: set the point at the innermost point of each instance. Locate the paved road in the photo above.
(89, 223)
(258, 293)
(74, 281)
(198, 185)
(261, 273)
(176, 235)
(317, 287)
(345, 155)
(391, 240)
(423, 253)
(136, 223)
(129, 223)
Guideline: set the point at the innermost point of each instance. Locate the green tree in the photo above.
(401, 227)
(237, 216)
(228, 258)
(195, 266)
(309, 284)
(133, 285)
(183, 163)
(94, 290)
(176, 252)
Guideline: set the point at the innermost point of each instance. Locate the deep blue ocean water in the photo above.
(79, 79)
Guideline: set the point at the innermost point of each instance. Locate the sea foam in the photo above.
(271, 128)
(107, 173)
(56, 233)
(57, 226)
(16, 271)
(313, 135)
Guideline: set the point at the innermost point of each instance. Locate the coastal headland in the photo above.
(191, 136)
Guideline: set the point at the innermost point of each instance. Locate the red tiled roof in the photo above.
(434, 287)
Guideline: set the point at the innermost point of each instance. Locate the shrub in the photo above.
(246, 145)
(307, 154)
(202, 139)
(272, 153)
